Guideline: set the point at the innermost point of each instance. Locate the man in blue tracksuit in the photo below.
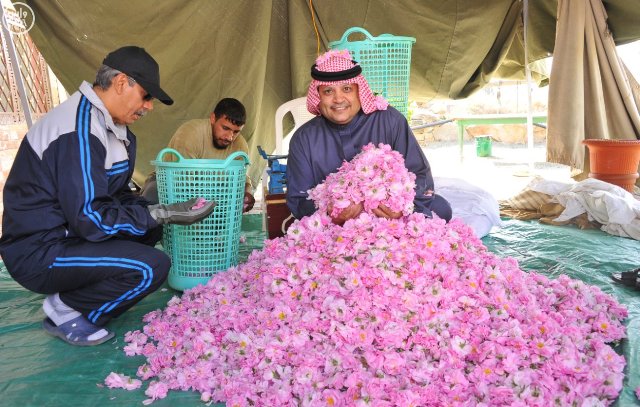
(72, 228)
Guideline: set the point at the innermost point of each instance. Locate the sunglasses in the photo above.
(147, 97)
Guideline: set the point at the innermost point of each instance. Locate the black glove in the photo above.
(180, 213)
(248, 202)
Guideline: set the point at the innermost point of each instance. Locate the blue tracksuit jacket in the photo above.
(70, 179)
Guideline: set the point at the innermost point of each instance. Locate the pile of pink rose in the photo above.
(407, 312)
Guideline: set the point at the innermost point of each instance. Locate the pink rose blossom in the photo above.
(120, 381)
(155, 391)
(367, 179)
(200, 202)
(381, 103)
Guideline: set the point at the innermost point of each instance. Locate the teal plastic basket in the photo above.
(200, 250)
(385, 62)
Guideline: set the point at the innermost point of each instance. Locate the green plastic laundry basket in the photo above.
(385, 62)
(200, 250)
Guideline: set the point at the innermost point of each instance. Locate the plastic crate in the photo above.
(200, 250)
(385, 62)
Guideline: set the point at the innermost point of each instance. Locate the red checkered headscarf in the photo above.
(336, 67)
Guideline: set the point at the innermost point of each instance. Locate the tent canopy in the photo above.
(260, 51)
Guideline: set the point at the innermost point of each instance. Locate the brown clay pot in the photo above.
(614, 161)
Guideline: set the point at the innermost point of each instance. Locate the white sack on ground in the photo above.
(475, 206)
(612, 206)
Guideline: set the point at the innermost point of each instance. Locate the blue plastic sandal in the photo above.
(76, 332)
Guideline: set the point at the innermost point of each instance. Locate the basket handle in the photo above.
(169, 151)
(352, 30)
(231, 157)
(235, 155)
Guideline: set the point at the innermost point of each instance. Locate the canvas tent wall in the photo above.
(591, 96)
(260, 51)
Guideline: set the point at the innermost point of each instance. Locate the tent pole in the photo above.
(13, 56)
(525, 17)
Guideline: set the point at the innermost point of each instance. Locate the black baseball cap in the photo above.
(138, 64)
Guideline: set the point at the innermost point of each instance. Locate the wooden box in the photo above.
(278, 216)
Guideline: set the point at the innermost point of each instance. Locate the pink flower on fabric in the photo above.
(120, 381)
(145, 372)
(155, 391)
(205, 396)
(135, 337)
(133, 349)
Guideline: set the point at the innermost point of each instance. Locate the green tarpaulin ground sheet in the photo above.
(38, 370)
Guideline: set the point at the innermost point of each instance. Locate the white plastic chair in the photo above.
(298, 109)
